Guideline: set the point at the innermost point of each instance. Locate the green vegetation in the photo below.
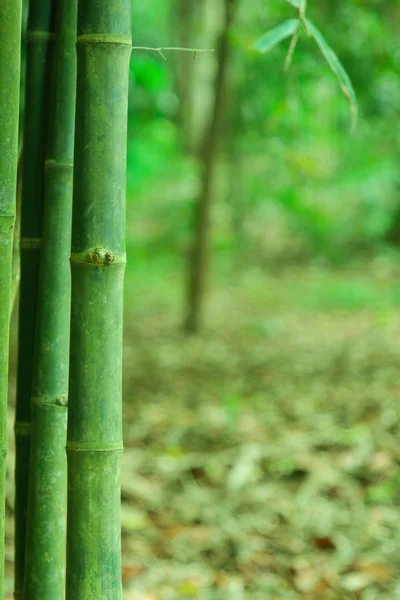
(294, 184)
(261, 455)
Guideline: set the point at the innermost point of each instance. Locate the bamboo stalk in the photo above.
(94, 444)
(10, 45)
(16, 263)
(47, 498)
(25, 11)
(39, 43)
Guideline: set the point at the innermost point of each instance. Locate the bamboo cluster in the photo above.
(68, 424)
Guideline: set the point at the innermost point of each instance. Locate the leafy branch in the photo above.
(292, 28)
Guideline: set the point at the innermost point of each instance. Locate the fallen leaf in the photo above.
(356, 582)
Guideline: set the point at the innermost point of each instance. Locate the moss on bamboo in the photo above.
(39, 37)
(94, 443)
(10, 44)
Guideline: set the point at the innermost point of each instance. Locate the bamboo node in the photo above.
(27, 243)
(51, 163)
(62, 400)
(103, 38)
(44, 36)
(101, 256)
(78, 447)
(22, 429)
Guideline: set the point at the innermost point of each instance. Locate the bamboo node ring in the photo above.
(101, 256)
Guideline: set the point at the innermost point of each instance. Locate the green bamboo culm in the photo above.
(40, 34)
(47, 497)
(10, 57)
(94, 438)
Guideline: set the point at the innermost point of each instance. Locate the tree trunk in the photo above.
(47, 497)
(39, 43)
(238, 88)
(10, 44)
(187, 15)
(94, 438)
(208, 156)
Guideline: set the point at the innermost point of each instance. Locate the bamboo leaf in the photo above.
(276, 35)
(336, 67)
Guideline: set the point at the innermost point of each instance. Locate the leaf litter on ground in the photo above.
(261, 457)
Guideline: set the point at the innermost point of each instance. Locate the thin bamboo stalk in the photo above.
(94, 444)
(40, 34)
(47, 497)
(16, 263)
(10, 44)
(25, 11)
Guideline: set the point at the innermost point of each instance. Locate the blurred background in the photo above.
(262, 345)
(262, 454)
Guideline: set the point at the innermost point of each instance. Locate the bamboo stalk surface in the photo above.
(47, 498)
(94, 444)
(40, 35)
(10, 44)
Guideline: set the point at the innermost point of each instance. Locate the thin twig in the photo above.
(292, 48)
(160, 51)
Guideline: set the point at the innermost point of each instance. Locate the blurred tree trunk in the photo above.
(197, 23)
(393, 232)
(208, 155)
(187, 14)
(236, 200)
(238, 88)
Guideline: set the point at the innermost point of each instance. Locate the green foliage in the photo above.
(291, 28)
(292, 184)
(335, 66)
(273, 37)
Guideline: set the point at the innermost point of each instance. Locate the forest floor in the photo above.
(262, 457)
